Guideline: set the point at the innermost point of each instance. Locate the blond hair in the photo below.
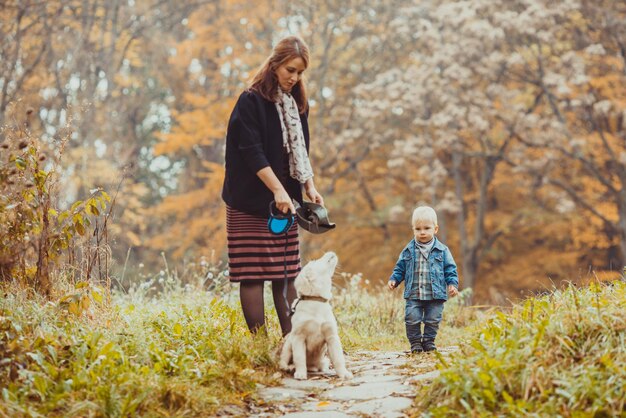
(424, 213)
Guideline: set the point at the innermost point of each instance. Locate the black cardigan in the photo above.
(254, 140)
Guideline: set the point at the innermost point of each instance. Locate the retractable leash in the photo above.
(310, 216)
(278, 224)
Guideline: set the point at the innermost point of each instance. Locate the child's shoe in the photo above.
(417, 348)
(428, 345)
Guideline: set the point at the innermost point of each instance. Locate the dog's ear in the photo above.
(308, 275)
(304, 274)
(303, 281)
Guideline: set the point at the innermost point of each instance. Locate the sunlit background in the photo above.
(507, 116)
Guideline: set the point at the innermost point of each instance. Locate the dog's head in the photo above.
(315, 279)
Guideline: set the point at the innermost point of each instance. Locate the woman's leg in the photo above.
(251, 297)
(279, 303)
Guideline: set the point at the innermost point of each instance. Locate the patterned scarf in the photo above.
(293, 137)
(425, 248)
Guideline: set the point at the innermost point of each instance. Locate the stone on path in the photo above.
(333, 414)
(426, 376)
(322, 406)
(282, 393)
(369, 390)
(309, 384)
(387, 407)
(379, 377)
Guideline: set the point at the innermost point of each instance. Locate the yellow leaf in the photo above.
(73, 308)
(106, 348)
(97, 296)
(85, 302)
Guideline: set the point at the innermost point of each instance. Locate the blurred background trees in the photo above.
(507, 116)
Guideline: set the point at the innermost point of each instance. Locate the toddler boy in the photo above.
(429, 273)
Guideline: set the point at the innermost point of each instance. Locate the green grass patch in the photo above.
(182, 353)
(368, 320)
(563, 354)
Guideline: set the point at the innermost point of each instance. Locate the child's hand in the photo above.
(452, 291)
(392, 284)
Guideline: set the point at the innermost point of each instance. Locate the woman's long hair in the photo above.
(265, 82)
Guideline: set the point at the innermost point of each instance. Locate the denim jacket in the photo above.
(442, 269)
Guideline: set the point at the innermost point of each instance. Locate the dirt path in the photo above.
(384, 385)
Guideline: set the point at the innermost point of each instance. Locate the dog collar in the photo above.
(297, 300)
(316, 298)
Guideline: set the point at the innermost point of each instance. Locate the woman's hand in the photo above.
(315, 197)
(312, 193)
(281, 197)
(284, 202)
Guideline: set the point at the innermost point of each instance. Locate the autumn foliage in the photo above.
(506, 116)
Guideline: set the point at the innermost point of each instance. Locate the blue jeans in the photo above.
(429, 312)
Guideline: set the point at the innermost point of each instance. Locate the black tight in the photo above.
(251, 296)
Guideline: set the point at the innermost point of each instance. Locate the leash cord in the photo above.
(286, 283)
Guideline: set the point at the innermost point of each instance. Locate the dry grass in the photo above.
(563, 354)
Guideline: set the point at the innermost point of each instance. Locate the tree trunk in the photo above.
(468, 277)
(471, 251)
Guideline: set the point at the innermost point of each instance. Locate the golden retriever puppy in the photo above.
(313, 325)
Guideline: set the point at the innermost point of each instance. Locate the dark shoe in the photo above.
(417, 348)
(429, 345)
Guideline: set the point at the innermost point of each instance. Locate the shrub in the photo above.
(34, 232)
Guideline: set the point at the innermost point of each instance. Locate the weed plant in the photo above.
(38, 237)
(182, 352)
(563, 354)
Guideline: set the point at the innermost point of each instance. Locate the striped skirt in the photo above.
(254, 253)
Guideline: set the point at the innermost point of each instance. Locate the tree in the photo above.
(579, 77)
(224, 44)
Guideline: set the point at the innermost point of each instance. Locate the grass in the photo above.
(163, 348)
(374, 319)
(171, 349)
(183, 354)
(563, 354)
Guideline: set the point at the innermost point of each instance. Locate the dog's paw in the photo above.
(325, 365)
(300, 375)
(344, 374)
(286, 367)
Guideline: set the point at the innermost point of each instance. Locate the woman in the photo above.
(267, 159)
